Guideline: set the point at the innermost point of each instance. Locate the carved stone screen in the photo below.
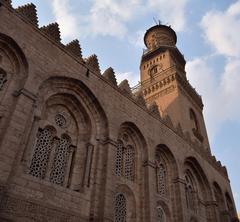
(120, 208)
(40, 158)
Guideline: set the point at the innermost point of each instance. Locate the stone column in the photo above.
(180, 205)
(14, 133)
(76, 180)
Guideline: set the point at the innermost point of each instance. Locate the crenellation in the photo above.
(92, 62)
(125, 88)
(74, 48)
(29, 12)
(153, 109)
(109, 74)
(149, 159)
(53, 31)
(7, 3)
(138, 96)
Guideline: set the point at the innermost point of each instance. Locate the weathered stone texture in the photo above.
(74, 146)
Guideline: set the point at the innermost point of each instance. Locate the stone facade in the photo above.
(75, 146)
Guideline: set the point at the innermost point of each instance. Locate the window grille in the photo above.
(40, 158)
(60, 161)
(129, 163)
(161, 180)
(125, 158)
(120, 208)
(160, 215)
(119, 159)
(3, 79)
(60, 120)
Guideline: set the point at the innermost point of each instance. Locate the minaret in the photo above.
(163, 80)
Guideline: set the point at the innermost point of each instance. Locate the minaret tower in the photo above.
(163, 80)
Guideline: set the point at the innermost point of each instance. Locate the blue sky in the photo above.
(208, 36)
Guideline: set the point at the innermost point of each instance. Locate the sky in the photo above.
(208, 35)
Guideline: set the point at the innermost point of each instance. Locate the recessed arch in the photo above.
(76, 88)
(166, 170)
(200, 191)
(193, 165)
(137, 136)
(130, 198)
(165, 208)
(17, 57)
(230, 206)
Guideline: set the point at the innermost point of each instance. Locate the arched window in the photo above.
(161, 179)
(153, 71)
(230, 206)
(119, 159)
(160, 215)
(120, 208)
(52, 155)
(190, 193)
(3, 78)
(219, 199)
(129, 163)
(60, 161)
(42, 151)
(125, 160)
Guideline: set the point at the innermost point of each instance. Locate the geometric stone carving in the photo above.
(153, 109)
(60, 161)
(124, 161)
(125, 88)
(74, 48)
(109, 74)
(120, 208)
(3, 79)
(42, 151)
(53, 31)
(29, 12)
(138, 96)
(160, 215)
(161, 179)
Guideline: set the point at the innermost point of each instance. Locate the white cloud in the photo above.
(220, 29)
(202, 77)
(220, 91)
(136, 39)
(131, 77)
(171, 11)
(66, 19)
(112, 17)
(221, 97)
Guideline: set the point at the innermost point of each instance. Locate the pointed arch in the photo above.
(65, 85)
(200, 191)
(166, 169)
(17, 58)
(13, 75)
(69, 106)
(230, 207)
(131, 151)
(130, 203)
(219, 198)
